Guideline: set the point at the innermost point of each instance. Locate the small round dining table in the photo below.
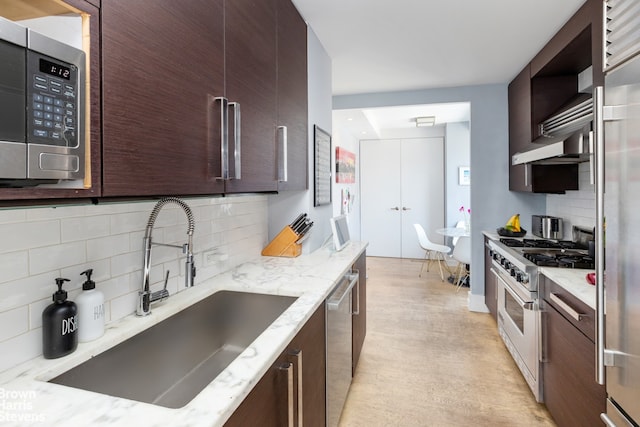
(453, 232)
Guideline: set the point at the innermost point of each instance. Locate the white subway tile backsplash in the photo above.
(84, 228)
(12, 215)
(126, 263)
(25, 235)
(40, 244)
(123, 306)
(15, 322)
(575, 207)
(51, 258)
(35, 312)
(39, 214)
(15, 293)
(14, 266)
(20, 348)
(106, 247)
(128, 221)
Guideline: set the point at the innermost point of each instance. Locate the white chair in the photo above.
(431, 248)
(460, 224)
(462, 254)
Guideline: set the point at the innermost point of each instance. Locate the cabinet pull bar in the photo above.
(288, 367)
(598, 123)
(237, 138)
(605, 418)
(570, 311)
(297, 353)
(592, 161)
(224, 138)
(283, 170)
(356, 273)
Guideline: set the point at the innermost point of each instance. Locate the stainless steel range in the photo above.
(515, 266)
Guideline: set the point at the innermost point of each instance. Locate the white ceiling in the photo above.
(386, 46)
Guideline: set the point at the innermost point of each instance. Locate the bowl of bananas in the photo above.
(512, 228)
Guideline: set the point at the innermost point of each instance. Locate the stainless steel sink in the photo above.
(171, 362)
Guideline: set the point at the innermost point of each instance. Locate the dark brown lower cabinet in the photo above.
(570, 391)
(294, 386)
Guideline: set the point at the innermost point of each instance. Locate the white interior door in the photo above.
(380, 214)
(422, 187)
(402, 183)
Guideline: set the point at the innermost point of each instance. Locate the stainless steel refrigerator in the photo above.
(617, 125)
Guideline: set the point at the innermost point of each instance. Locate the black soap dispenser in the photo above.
(59, 325)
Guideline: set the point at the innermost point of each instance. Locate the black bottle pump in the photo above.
(59, 325)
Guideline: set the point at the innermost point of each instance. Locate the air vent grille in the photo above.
(621, 32)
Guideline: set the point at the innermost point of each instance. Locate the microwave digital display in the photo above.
(55, 69)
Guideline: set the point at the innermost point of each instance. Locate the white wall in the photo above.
(40, 244)
(492, 202)
(344, 139)
(457, 153)
(285, 206)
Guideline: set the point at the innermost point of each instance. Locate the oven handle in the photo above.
(527, 305)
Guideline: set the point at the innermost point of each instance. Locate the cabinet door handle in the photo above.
(395, 208)
(224, 137)
(297, 354)
(237, 138)
(598, 123)
(356, 273)
(283, 139)
(288, 367)
(566, 307)
(405, 208)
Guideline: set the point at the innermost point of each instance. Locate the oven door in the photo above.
(518, 323)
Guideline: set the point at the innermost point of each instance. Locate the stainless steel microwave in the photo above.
(42, 108)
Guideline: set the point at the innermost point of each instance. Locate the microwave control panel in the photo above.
(52, 101)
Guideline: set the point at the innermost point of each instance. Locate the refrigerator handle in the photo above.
(598, 111)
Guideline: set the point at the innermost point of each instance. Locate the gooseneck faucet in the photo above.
(147, 297)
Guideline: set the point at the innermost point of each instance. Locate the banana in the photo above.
(514, 223)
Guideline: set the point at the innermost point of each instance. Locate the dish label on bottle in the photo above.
(69, 325)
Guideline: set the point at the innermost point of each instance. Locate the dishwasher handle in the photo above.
(337, 297)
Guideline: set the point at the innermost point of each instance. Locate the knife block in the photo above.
(284, 244)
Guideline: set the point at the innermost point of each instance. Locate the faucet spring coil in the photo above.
(179, 202)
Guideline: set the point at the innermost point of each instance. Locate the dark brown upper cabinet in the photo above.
(163, 67)
(251, 57)
(292, 99)
(90, 14)
(169, 69)
(548, 84)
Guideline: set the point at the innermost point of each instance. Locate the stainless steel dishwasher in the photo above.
(339, 344)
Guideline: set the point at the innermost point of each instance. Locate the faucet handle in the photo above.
(161, 294)
(166, 280)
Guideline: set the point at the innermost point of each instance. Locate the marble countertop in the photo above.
(573, 280)
(29, 399)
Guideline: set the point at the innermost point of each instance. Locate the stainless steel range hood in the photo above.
(566, 137)
(572, 148)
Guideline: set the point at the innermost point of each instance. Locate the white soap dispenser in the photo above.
(90, 304)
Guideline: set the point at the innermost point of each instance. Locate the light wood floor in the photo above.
(428, 361)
